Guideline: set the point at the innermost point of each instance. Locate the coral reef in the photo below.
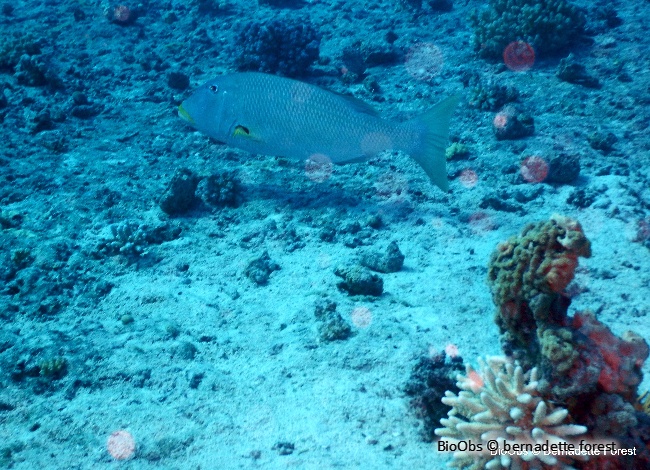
(13, 47)
(603, 141)
(128, 238)
(281, 3)
(622, 358)
(563, 168)
(31, 71)
(284, 45)
(563, 376)
(36, 279)
(83, 108)
(571, 71)
(582, 364)
(582, 197)
(549, 26)
(121, 15)
(642, 232)
(434, 5)
(502, 402)
(220, 189)
(10, 219)
(489, 96)
(42, 374)
(54, 368)
(132, 239)
(214, 7)
(361, 55)
(178, 80)
(457, 151)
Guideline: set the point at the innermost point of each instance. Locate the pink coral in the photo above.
(622, 357)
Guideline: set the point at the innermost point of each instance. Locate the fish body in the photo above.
(271, 115)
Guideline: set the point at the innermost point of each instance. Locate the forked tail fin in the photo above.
(430, 154)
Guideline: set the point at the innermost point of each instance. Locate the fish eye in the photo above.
(213, 88)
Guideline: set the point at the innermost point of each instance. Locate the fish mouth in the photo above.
(182, 112)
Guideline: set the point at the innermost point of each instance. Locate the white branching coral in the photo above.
(501, 403)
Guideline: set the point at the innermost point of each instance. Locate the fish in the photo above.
(271, 115)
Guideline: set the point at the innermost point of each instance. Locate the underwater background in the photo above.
(171, 302)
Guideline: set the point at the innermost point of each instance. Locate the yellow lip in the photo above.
(185, 115)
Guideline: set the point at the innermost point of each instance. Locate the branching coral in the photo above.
(502, 402)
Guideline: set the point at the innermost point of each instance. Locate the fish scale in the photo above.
(270, 115)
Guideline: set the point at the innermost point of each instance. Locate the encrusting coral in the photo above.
(502, 402)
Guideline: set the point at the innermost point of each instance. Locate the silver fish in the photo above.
(270, 115)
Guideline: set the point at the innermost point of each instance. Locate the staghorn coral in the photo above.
(502, 402)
